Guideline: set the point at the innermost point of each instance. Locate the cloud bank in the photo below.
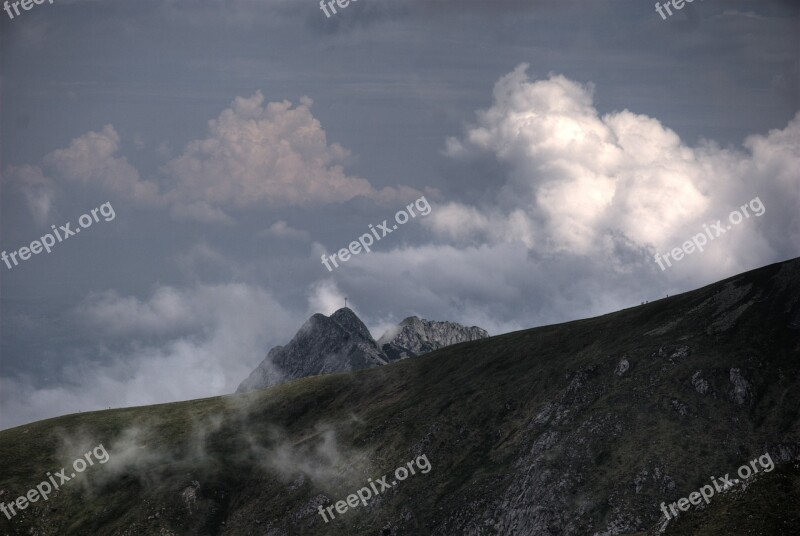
(177, 345)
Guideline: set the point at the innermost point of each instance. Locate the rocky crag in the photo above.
(341, 342)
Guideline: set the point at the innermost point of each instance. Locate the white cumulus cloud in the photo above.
(583, 183)
(268, 154)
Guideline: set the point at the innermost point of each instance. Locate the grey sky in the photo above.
(183, 293)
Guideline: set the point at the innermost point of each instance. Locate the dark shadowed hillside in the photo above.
(573, 429)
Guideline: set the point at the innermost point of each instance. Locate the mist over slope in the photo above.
(571, 429)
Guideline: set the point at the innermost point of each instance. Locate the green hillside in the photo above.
(541, 431)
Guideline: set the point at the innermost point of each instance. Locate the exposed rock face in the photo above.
(673, 354)
(323, 345)
(416, 336)
(700, 385)
(341, 342)
(680, 407)
(741, 387)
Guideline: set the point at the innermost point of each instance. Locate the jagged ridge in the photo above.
(416, 336)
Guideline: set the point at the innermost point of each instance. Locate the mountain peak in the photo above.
(341, 342)
(324, 344)
(346, 318)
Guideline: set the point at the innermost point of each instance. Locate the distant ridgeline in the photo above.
(341, 342)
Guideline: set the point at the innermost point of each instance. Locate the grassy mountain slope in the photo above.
(542, 431)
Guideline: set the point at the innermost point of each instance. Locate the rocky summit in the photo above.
(341, 343)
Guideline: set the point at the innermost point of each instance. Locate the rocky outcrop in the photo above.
(700, 385)
(740, 391)
(416, 336)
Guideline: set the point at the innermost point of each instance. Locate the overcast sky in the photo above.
(560, 145)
